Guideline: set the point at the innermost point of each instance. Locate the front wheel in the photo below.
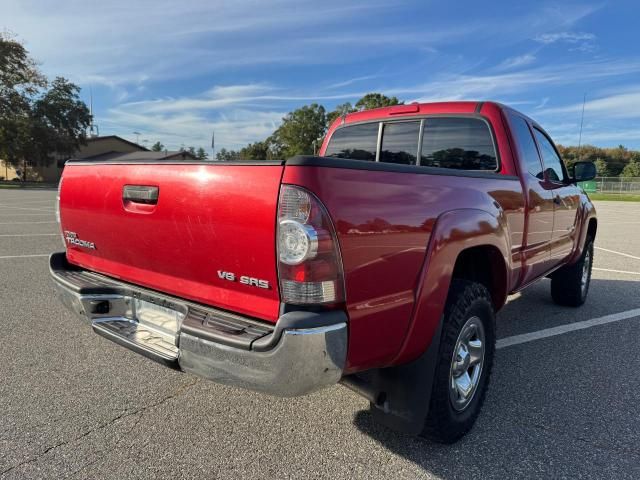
(570, 284)
(464, 364)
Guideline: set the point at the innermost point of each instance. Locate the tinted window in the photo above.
(462, 143)
(552, 162)
(358, 142)
(526, 146)
(400, 143)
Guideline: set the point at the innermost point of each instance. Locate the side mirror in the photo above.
(583, 171)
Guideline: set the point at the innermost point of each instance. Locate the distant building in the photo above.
(109, 147)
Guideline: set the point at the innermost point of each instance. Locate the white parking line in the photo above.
(25, 214)
(25, 256)
(619, 223)
(22, 223)
(627, 272)
(617, 253)
(35, 203)
(33, 209)
(571, 327)
(29, 235)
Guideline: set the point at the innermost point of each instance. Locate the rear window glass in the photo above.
(460, 143)
(400, 143)
(358, 142)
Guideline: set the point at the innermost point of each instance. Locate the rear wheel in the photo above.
(570, 284)
(464, 363)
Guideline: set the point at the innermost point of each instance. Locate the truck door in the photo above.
(566, 199)
(538, 192)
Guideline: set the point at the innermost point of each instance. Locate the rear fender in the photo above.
(454, 232)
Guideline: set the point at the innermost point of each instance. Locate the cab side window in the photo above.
(358, 142)
(552, 163)
(460, 143)
(526, 146)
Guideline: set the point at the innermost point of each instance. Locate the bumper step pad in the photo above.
(136, 333)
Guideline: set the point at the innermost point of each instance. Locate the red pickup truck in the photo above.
(379, 264)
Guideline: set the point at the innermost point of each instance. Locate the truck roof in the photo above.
(416, 108)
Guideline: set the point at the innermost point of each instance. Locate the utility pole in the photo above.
(213, 145)
(584, 101)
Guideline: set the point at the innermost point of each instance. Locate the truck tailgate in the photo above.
(211, 225)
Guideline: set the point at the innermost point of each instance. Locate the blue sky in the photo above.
(175, 71)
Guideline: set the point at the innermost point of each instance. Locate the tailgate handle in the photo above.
(140, 194)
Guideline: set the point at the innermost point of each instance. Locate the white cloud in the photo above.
(518, 61)
(458, 86)
(568, 37)
(542, 103)
(120, 42)
(233, 96)
(609, 120)
(595, 133)
(233, 129)
(622, 105)
(248, 112)
(351, 81)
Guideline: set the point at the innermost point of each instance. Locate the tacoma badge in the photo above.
(72, 239)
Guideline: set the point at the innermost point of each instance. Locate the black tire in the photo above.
(466, 301)
(567, 286)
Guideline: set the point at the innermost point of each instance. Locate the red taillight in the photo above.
(309, 264)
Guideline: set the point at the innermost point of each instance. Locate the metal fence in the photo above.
(619, 185)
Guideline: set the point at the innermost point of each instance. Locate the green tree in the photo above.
(376, 100)
(601, 168)
(192, 151)
(367, 102)
(157, 147)
(614, 159)
(225, 155)
(201, 154)
(632, 169)
(255, 151)
(59, 120)
(36, 120)
(19, 76)
(20, 80)
(300, 131)
(339, 111)
(618, 158)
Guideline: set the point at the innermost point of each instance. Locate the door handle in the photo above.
(140, 194)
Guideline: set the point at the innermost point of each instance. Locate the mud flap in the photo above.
(403, 393)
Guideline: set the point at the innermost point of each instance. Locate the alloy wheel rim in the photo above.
(466, 364)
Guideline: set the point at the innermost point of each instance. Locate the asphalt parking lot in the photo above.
(74, 405)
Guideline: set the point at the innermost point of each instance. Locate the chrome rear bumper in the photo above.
(303, 352)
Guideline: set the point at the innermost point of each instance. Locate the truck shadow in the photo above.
(564, 405)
